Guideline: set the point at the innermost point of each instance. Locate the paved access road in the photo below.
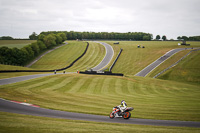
(107, 58)
(156, 63)
(12, 107)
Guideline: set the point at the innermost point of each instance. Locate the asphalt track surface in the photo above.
(156, 63)
(107, 57)
(12, 107)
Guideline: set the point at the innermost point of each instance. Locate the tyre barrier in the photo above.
(104, 73)
(115, 60)
(5, 71)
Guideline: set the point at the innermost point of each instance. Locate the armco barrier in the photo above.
(4, 71)
(115, 60)
(105, 73)
(175, 63)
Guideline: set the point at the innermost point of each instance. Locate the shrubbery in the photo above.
(15, 56)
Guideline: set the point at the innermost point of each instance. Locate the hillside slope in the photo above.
(188, 70)
(133, 59)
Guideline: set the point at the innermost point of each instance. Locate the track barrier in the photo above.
(115, 60)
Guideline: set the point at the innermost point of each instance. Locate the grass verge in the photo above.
(17, 123)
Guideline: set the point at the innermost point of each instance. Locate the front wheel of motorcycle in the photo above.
(111, 115)
(127, 115)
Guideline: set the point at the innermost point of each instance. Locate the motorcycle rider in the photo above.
(122, 106)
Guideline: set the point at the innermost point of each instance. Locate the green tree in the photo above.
(50, 40)
(6, 38)
(41, 45)
(164, 38)
(30, 52)
(41, 37)
(35, 48)
(179, 38)
(33, 36)
(184, 38)
(63, 35)
(158, 37)
(146, 38)
(58, 39)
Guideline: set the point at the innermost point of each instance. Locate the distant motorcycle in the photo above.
(117, 113)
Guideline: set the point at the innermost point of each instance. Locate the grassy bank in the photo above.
(60, 57)
(93, 57)
(188, 70)
(151, 98)
(168, 63)
(23, 123)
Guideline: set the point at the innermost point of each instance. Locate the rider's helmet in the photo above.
(123, 102)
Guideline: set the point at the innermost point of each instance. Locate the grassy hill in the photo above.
(133, 59)
(92, 94)
(188, 70)
(168, 63)
(60, 57)
(93, 57)
(173, 99)
(65, 55)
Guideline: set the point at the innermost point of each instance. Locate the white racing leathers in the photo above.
(122, 107)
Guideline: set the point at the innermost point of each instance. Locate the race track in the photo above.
(12, 107)
(107, 57)
(156, 63)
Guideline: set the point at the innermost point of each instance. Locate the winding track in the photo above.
(156, 63)
(107, 58)
(12, 107)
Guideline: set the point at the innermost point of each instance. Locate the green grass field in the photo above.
(175, 98)
(15, 43)
(151, 98)
(33, 124)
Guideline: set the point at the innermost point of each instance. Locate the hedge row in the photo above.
(20, 57)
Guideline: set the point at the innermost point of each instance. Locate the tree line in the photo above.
(73, 35)
(6, 38)
(15, 56)
(191, 38)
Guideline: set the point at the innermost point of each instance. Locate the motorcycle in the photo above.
(117, 113)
